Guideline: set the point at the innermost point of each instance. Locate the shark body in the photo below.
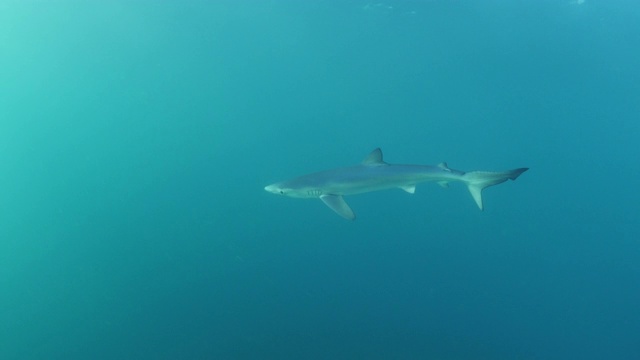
(374, 174)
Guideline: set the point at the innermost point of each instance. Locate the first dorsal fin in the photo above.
(374, 158)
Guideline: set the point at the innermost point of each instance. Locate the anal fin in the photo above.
(411, 189)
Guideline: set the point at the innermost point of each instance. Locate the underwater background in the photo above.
(136, 138)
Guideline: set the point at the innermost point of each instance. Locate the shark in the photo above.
(374, 174)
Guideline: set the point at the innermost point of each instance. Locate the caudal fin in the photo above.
(479, 180)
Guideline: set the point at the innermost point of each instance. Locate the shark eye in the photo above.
(281, 192)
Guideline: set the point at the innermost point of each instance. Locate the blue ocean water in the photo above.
(136, 139)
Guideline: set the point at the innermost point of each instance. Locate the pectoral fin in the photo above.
(337, 204)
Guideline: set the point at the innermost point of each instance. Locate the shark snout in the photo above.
(273, 188)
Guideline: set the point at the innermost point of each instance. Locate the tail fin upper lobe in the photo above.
(479, 180)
